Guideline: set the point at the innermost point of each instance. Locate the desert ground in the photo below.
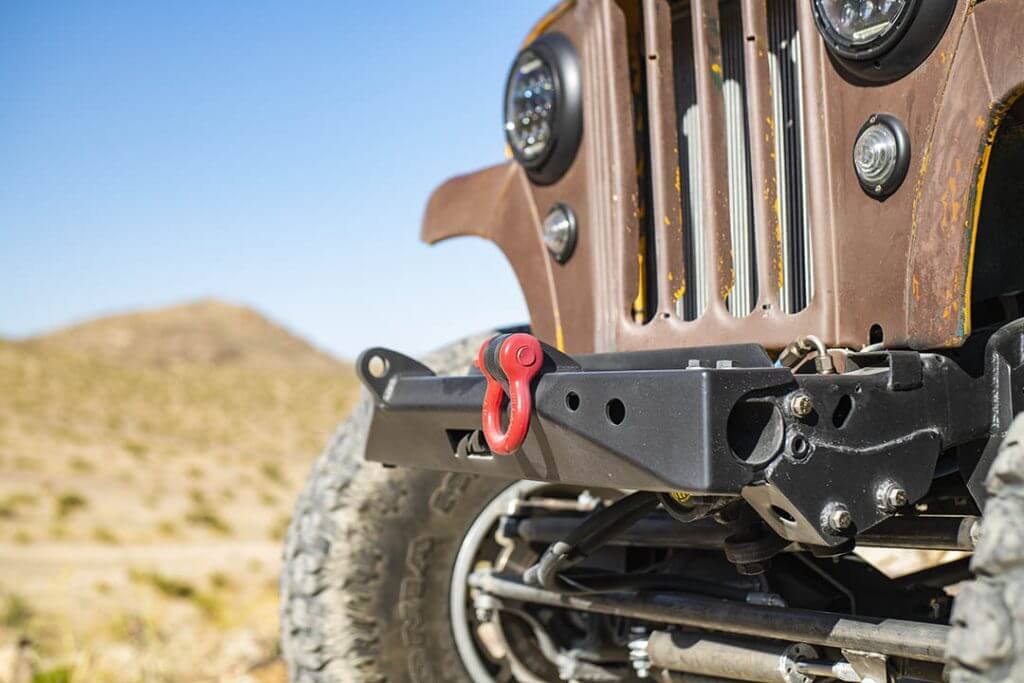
(148, 464)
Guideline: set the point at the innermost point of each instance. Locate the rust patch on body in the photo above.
(716, 75)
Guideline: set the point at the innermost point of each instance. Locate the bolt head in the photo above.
(839, 519)
(836, 517)
(898, 497)
(801, 405)
(891, 496)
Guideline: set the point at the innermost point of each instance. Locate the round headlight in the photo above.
(858, 23)
(530, 107)
(881, 155)
(881, 40)
(559, 232)
(543, 109)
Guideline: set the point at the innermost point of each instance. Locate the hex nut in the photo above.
(824, 365)
(890, 496)
(800, 404)
(836, 517)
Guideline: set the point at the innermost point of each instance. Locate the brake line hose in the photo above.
(801, 348)
(593, 533)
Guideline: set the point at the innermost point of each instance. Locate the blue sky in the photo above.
(273, 154)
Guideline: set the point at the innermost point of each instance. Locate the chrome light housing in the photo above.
(543, 107)
(559, 232)
(881, 155)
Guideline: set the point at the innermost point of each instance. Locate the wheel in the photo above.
(369, 559)
(986, 643)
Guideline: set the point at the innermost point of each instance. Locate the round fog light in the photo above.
(881, 155)
(875, 155)
(559, 232)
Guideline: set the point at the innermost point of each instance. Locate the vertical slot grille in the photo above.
(693, 302)
(741, 208)
(787, 96)
(645, 304)
(743, 293)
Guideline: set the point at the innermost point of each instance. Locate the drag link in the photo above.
(893, 637)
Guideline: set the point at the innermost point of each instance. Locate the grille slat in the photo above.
(741, 207)
(691, 306)
(645, 303)
(786, 95)
(786, 85)
(714, 190)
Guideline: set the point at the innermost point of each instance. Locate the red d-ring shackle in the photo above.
(512, 359)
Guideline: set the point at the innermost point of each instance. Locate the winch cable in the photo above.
(593, 533)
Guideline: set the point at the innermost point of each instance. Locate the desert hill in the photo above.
(148, 466)
(209, 332)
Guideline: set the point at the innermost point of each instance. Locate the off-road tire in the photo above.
(986, 644)
(368, 559)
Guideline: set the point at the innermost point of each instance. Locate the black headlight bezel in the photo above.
(841, 47)
(557, 51)
(897, 51)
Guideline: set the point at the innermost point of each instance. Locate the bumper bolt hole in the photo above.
(616, 411)
(572, 401)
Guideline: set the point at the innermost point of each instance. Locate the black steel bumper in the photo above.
(720, 421)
